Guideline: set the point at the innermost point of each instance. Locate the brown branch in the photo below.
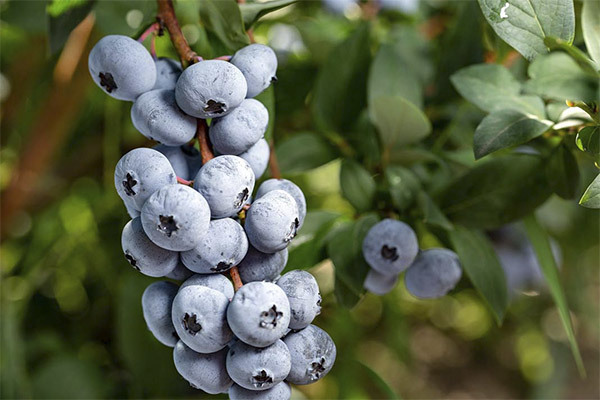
(273, 163)
(166, 16)
(235, 277)
(204, 141)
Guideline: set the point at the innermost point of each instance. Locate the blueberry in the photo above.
(157, 301)
(287, 186)
(177, 158)
(272, 221)
(258, 266)
(258, 63)
(206, 372)
(176, 217)
(259, 313)
(378, 283)
(156, 115)
(199, 317)
(303, 294)
(143, 254)
(390, 247)
(258, 157)
(122, 67)
(167, 73)
(226, 182)
(131, 208)
(216, 282)
(240, 129)
(140, 173)
(224, 245)
(313, 355)
(281, 391)
(258, 368)
(433, 274)
(210, 89)
(194, 160)
(180, 273)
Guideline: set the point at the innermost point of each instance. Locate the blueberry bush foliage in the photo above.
(461, 118)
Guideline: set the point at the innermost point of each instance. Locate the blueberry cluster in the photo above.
(391, 247)
(254, 342)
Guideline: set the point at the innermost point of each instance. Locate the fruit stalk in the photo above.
(204, 142)
(166, 16)
(235, 277)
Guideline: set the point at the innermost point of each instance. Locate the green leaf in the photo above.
(63, 19)
(384, 79)
(340, 89)
(224, 19)
(525, 23)
(505, 128)
(302, 152)
(307, 248)
(267, 97)
(344, 248)
(582, 59)
(541, 244)
(497, 191)
(588, 139)
(492, 87)
(557, 76)
(58, 7)
(481, 265)
(380, 383)
(432, 214)
(403, 185)
(251, 12)
(591, 197)
(398, 121)
(590, 25)
(358, 186)
(563, 173)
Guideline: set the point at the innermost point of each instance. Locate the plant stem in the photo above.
(166, 16)
(184, 181)
(273, 164)
(235, 277)
(204, 142)
(155, 27)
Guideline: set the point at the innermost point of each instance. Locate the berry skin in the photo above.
(122, 67)
(240, 129)
(216, 282)
(140, 173)
(259, 313)
(272, 221)
(156, 115)
(258, 266)
(287, 186)
(131, 208)
(156, 306)
(167, 73)
(226, 182)
(258, 63)
(210, 89)
(143, 254)
(303, 294)
(176, 217)
(224, 245)
(206, 372)
(281, 391)
(258, 157)
(433, 274)
(378, 283)
(180, 273)
(313, 355)
(390, 247)
(258, 368)
(177, 158)
(199, 317)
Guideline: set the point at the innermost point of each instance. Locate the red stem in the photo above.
(151, 29)
(235, 277)
(166, 17)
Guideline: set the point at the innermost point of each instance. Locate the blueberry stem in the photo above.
(235, 277)
(166, 16)
(185, 182)
(153, 28)
(204, 142)
(224, 58)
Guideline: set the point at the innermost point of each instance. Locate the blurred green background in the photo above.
(71, 320)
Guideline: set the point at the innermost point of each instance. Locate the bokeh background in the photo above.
(71, 321)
